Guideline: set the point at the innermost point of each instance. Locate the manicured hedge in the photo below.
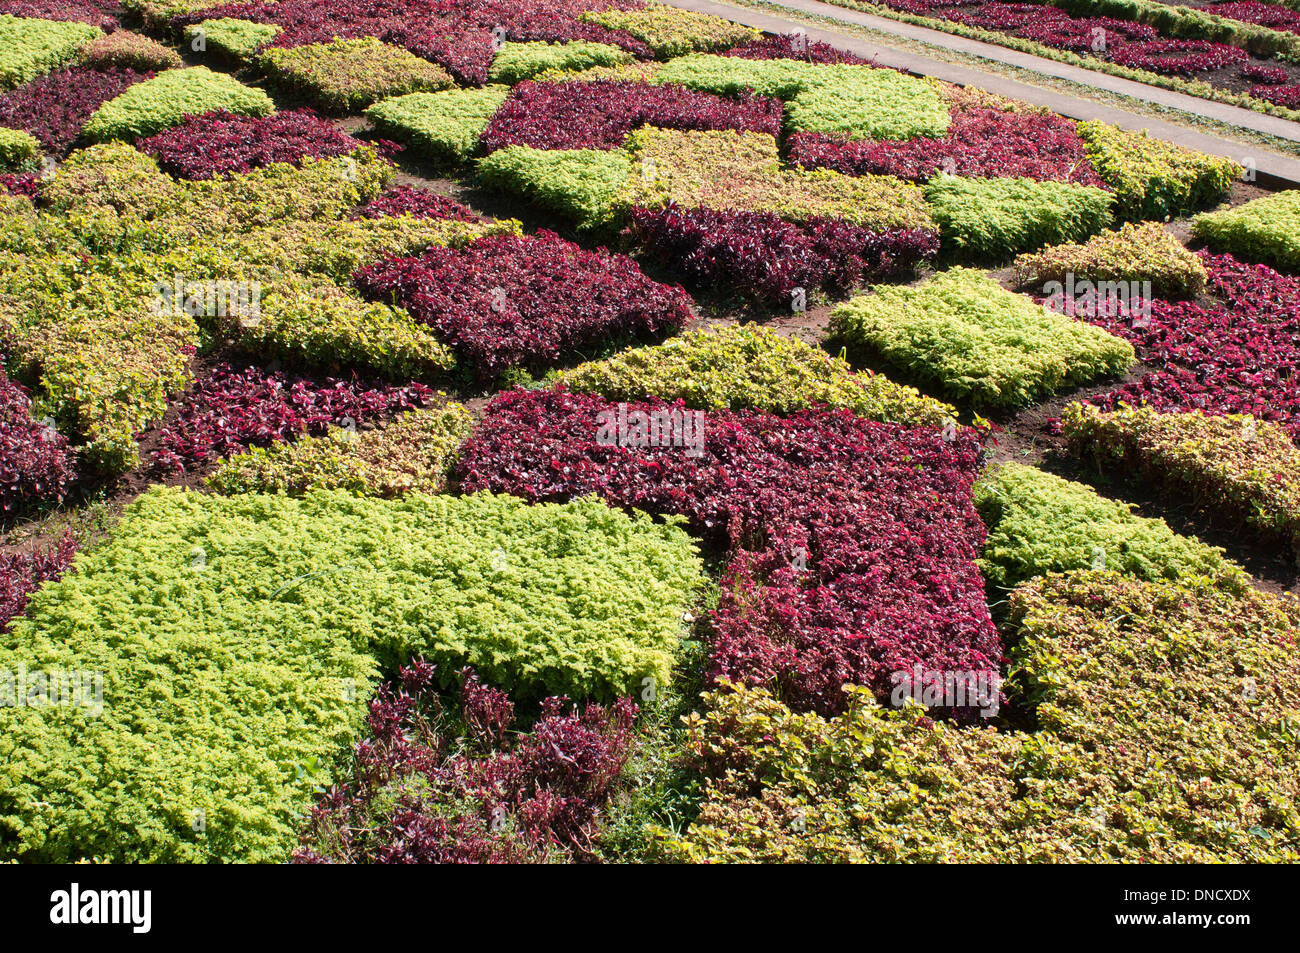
(1154, 179)
(412, 454)
(30, 47)
(516, 62)
(165, 100)
(19, 151)
(1165, 729)
(1266, 230)
(349, 75)
(973, 341)
(671, 32)
(1134, 253)
(583, 185)
(1231, 464)
(443, 125)
(990, 220)
(751, 367)
(1040, 523)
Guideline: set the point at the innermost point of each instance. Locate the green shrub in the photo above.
(412, 454)
(974, 341)
(1040, 523)
(165, 100)
(1145, 252)
(1166, 719)
(30, 47)
(123, 49)
(671, 32)
(1154, 179)
(861, 102)
(239, 40)
(1232, 464)
(728, 170)
(1266, 230)
(516, 62)
(580, 184)
(19, 151)
(746, 366)
(348, 75)
(990, 220)
(443, 125)
(237, 636)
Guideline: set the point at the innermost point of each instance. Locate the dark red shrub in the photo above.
(505, 301)
(438, 784)
(420, 203)
(852, 542)
(1177, 57)
(101, 13)
(1288, 96)
(793, 46)
(22, 573)
(767, 258)
(35, 462)
(232, 409)
(220, 143)
(1271, 15)
(27, 184)
(1270, 75)
(55, 107)
(599, 115)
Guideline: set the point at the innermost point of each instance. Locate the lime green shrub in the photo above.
(237, 639)
(671, 32)
(990, 220)
(1232, 464)
(1266, 230)
(751, 367)
(412, 454)
(730, 170)
(19, 151)
(165, 100)
(348, 75)
(860, 102)
(516, 62)
(238, 40)
(1040, 523)
(1154, 179)
(30, 47)
(1145, 252)
(970, 339)
(1166, 721)
(580, 184)
(444, 125)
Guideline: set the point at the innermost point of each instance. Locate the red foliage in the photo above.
(852, 542)
(505, 301)
(55, 107)
(27, 184)
(22, 573)
(220, 143)
(101, 13)
(1271, 15)
(792, 46)
(486, 795)
(1288, 95)
(35, 462)
(1271, 75)
(599, 115)
(419, 203)
(232, 409)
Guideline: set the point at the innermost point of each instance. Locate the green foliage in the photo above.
(516, 62)
(749, 366)
(240, 40)
(236, 637)
(725, 169)
(30, 47)
(19, 151)
(444, 125)
(349, 75)
(412, 454)
(671, 32)
(1145, 252)
(975, 342)
(1166, 721)
(861, 102)
(165, 100)
(990, 220)
(580, 184)
(1040, 523)
(1266, 230)
(1153, 179)
(124, 49)
(1233, 464)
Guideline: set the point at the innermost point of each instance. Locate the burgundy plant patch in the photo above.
(852, 543)
(55, 107)
(101, 13)
(506, 301)
(35, 462)
(21, 574)
(793, 46)
(419, 203)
